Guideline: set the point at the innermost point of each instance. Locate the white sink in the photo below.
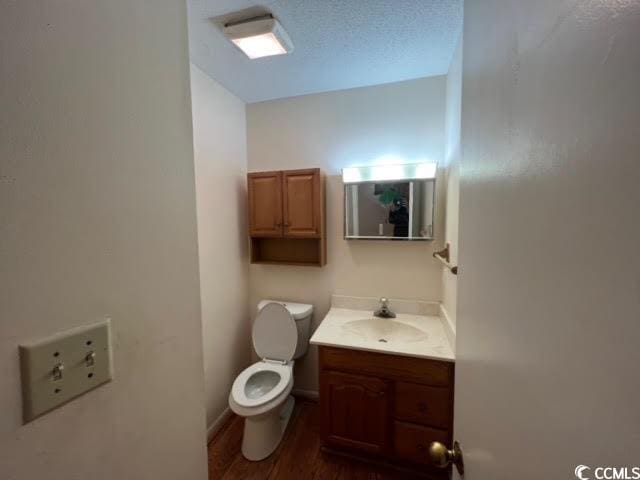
(409, 334)
(384, 330)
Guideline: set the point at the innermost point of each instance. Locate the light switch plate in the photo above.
(45, 385)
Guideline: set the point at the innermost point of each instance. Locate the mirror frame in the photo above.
(394, 174)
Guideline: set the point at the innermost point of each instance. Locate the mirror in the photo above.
(389, 210)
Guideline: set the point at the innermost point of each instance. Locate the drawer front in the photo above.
(411, 442)
(425, 405)
(419, 370)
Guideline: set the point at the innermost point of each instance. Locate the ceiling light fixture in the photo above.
(259, 37)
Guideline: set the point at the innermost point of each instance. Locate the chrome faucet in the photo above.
(384, 311)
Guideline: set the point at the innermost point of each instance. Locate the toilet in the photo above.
(261, 393)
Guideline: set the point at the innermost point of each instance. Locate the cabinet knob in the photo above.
(422, 407)
(278, 224)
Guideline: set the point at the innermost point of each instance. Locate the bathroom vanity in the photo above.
(386, 387)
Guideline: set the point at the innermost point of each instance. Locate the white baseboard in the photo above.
(308, 394)
(218, 423)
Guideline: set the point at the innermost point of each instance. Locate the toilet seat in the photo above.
(258, 384)
(274, 332)
(275, 338)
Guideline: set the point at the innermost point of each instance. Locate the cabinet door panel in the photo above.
(265, 204)
(302, 203)
(355, 411)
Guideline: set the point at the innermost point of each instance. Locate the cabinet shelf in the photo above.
(287, 251)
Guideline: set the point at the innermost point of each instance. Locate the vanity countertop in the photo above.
(421, 336)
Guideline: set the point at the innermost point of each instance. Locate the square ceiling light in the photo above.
(259, 37)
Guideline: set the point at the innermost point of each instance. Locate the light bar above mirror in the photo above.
(389, 173)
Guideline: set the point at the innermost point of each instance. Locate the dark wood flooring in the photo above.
(298, 457)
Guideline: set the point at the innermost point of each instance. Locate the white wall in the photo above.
(220, 148)
(97, 209)
(452, 162)
(549, 289)
(350, 127)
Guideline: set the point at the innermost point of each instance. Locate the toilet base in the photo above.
(262, 433)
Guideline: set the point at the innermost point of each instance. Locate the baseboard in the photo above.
(218, 423)
(306, 394)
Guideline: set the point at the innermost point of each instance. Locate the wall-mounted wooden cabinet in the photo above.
(286, 217)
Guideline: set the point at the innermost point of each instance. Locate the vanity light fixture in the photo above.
(389, 173)
(259, 37)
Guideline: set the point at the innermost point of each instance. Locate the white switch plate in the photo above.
(41, 392)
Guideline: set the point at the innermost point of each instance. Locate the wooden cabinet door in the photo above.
(355, 411)
(302, 203)
(265, 204)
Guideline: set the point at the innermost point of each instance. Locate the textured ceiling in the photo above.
(338, 44)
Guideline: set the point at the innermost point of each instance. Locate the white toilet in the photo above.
(261, 393)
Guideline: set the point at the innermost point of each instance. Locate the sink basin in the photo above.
(384, 330)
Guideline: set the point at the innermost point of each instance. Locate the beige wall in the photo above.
(452, 179)
(220, 148)
(97, 209)
(332, 130)
(549, 289)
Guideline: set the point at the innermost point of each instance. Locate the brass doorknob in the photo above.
(442, 457)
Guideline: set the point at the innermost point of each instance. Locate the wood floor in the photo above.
(298, 456)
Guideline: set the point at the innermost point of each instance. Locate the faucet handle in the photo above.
(384, 302)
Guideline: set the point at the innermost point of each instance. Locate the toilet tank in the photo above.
(301, 312)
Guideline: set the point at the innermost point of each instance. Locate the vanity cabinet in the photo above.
(286, 217)
(386, 407)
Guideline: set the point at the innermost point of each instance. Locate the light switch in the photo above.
(59, 368)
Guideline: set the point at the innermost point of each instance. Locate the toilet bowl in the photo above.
(261, 393)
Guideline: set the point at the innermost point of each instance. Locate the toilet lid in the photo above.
(275, 335)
